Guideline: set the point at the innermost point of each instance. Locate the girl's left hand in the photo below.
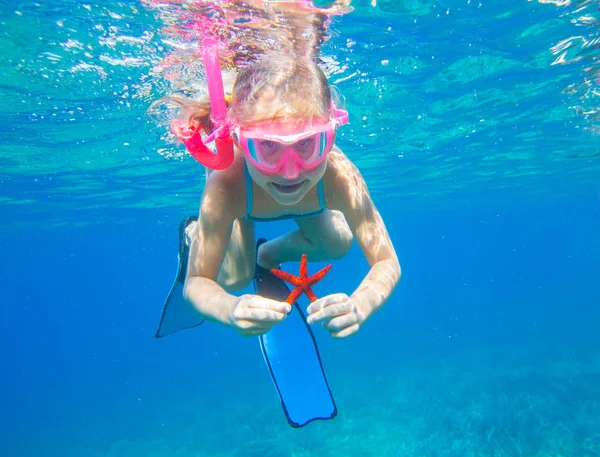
(339, 314)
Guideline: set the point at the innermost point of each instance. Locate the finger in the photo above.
(346, 332)
(340, 322)
(321, 303)
(254, 331)
(262, 315)
(315, 306)
(329, 312)
(265, 303)
(246, 325)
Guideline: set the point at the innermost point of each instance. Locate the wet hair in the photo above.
(274, 87)
(274, 51)
(280, 87)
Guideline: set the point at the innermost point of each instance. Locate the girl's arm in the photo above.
(207, 251)
(351, 196)
(222, 203)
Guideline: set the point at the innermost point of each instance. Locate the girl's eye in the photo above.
(305, 146)
(267, 144)
(270, 148)
(305, 143)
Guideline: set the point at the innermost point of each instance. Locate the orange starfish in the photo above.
(303, 282)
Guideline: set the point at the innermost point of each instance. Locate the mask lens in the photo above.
(306, 148)
(270, 152)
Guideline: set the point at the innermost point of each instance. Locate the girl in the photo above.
(283, 121)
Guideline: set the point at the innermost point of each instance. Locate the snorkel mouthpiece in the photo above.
(221, 135)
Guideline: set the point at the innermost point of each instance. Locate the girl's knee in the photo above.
(237, 269)
(234, 281)
(191, 231)
(335, 244)
(238, 284)
(340, 245)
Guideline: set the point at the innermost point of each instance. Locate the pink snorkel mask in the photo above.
(273, 152)
(221, 135)
(270, 152)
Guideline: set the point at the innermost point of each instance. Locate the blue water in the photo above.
(490, 346)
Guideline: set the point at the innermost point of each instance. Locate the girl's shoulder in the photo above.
(342, 180)
(341, 173)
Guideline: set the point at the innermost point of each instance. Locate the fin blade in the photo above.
(292, 356)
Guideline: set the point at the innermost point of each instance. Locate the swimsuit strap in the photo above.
(250, 201)
(249, 196)
(321, 194)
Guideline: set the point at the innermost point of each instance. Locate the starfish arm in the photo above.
(310, 294)
(303, 267)
(302, 283)
(294, 295)
(287, 277)
(318, 276)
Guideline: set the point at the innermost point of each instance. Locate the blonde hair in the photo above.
(276, 59)
(280, 87)
(272, 88)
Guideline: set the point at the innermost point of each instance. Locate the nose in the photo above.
(290, 169)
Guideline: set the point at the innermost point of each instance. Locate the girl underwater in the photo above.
(282, 118)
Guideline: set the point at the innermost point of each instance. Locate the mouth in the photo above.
(288, 188)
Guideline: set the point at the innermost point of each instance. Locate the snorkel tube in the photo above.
(221, 134)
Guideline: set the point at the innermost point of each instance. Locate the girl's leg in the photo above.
(323, 237)
(237, 270)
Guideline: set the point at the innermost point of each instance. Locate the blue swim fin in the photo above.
(293, 358)
(289, 349)
(178, 313)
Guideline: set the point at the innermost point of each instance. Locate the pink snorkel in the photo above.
(221, 135)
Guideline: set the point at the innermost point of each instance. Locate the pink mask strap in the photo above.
(341, 116)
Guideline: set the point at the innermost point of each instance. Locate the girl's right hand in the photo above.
(253, 315)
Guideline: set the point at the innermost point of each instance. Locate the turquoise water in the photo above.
(474, 125)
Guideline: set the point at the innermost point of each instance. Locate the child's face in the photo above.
(292, 178)
(287, 191)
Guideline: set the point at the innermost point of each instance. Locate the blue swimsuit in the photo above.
(249, 203)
